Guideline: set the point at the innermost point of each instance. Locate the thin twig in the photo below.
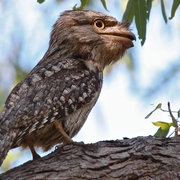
(173, 120)
(167, 110)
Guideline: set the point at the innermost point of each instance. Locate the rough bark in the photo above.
(129, 159)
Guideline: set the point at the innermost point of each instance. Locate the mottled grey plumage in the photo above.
(52, 103)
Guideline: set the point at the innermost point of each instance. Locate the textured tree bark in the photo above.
(141, 158)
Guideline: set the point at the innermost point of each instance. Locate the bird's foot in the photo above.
(66, 139)
(35, 155)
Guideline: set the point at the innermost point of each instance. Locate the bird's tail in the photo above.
(6, 141)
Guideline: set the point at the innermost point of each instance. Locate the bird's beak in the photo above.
(124, 36)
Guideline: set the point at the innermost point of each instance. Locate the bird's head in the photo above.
(91, 36)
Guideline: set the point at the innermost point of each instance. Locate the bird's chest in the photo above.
(74, 122)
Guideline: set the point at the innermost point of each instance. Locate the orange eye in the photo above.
(99, 24)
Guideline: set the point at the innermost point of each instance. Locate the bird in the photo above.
(51, 104)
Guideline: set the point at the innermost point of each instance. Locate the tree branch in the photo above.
(137, 158)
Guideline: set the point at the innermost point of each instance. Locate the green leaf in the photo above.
(178, 114)
(84, 2)
(163, 11)
(40, 1)
(140, 19)
(161, 133)
(81, 7)
(129, 11)
(174, 8)
(163, 125)
(157, 107)
(164, 128)
(149, 5)
(104, 4)
(171, 124)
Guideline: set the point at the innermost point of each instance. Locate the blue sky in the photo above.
(119, 111)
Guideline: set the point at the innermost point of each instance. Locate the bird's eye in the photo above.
(99, 24)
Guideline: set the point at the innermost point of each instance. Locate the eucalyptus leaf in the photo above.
(163, 11)
(81, 7)
(149, 6)
(161, 133)
(104, 4)
(174, 8)
(129, 11)
(157, 107)
(140, 19)
(163, 125)
(178, 114)
(40, 1)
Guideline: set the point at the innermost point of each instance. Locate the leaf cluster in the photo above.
(140, 11)
(164, 127)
